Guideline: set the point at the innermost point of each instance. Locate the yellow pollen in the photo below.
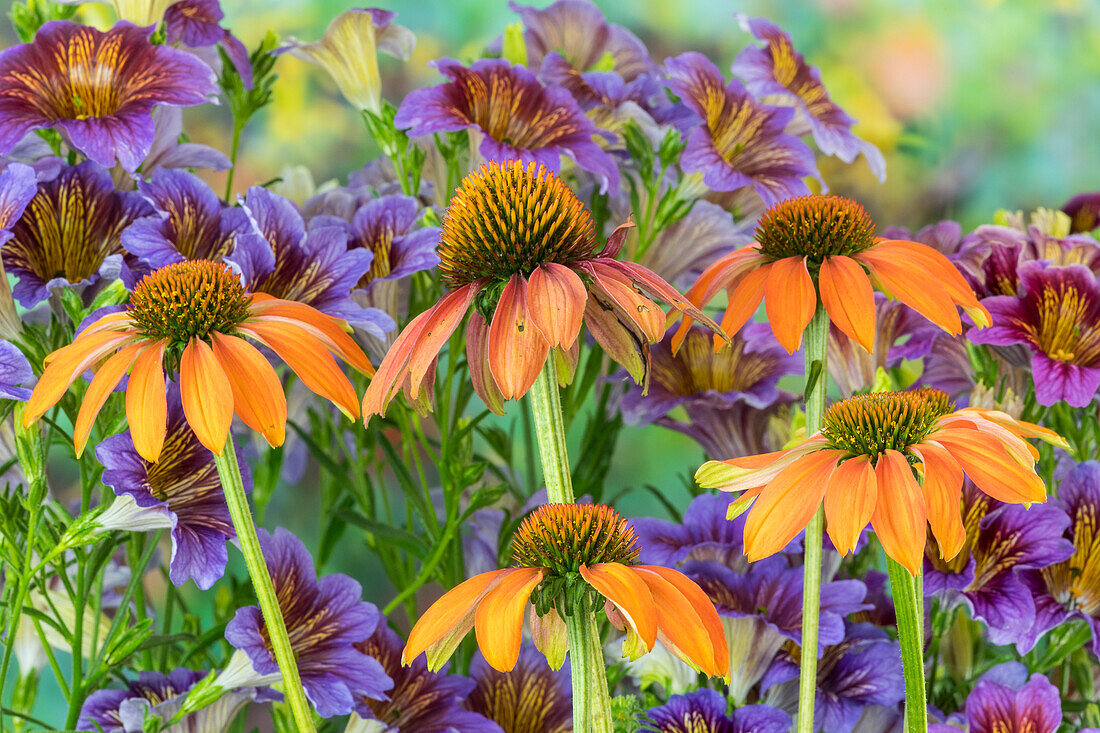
(187, 299)
(815, 227)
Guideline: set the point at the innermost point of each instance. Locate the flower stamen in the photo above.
(871, 424)
(189, 299)
(815, 227)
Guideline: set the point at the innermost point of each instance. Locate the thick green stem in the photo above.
(908, 601)
(816, 344)
(591, 699)
(545, 399)
(230, 474)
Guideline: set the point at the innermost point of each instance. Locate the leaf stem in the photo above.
(545, 399)
(908, 602)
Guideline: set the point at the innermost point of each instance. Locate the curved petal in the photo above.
(680, 626)
(848, 297)
(517, 350)
(737, 474)
(1021, 428)
(942, 488)
(556, 297)
(619, 287)
(65, 365)
(992, 468)
(950, 277)
(787, 503)
(622, 586)
(146, 404)
(443, 625)
(550, 636)
(326, 328)
(393, 371)
(498, 620)
(899, 516)
(206, 395)
(915, 286)
(477, 360)
(744, 299)
(722, 273)
(790, 301)
(104, 382)
(850, 501)
(624, 342)
(445, 317)
(258, 397)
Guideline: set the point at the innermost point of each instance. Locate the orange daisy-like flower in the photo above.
(825, 247)
(194, 316)
(865, 463)
(571, 559)
(520, 248)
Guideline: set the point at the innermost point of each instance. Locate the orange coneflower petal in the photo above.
(1020, 449)
(942, 488)
(787, 503)
(118, 321)
(992, 467)
(498, 620)
(617, 286)
(915, 286)
(258, 397)
(737, 474)
(630, 594)
(477, 360)
(445, 317)
(679, 625)
(790, 301)
(310, 360)
(950, 277)
(106, 379)
(206, 395)
(654, 286)
(899, 517)
(146, 404)
(723, 273)
(393, 371)
(555, 303)
(850, 501)
(326, 328)
(440, 629)
(744, 299)
(848, 297)
(517, 350)
(1021, 428)
(623, 342)
(65, 366)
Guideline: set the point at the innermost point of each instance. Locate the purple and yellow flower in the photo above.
(325, 619)
(18, 185)
(854, 369)
(387, 228)
(168, 152)
(421, 701)
(1056, 314)
(779, 74)
(98, 88)
(729, 395)
(1083, 211)
(704, 711)
(518, 117)
(197, 24)
(739, 141)
(70, 232)
(532, 698)
(185, 482)
(704, 534)
(15, 371)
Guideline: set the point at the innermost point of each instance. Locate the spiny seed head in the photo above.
(815, 227)
(188, 299)
(870, 424)
(506, 219)
(562, 537)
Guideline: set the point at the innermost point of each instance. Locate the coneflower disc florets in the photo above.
(506, 219)
(562, 537)
(815, 227)
(870, 424)
(187, 299)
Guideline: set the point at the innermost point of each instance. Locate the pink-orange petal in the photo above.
(517, 350)
(556, 297)
(445, 317)
(992, 467)
(104, 382)
(849, 502)
(65, 365)
(326, 328)
(146, 404)
(258, 397)
(631, 306)
(787, 503)
(790, 301)
(918, 288)
(623, 587)
(942, 488)
(849, 299)
(393, 372)
(703, 616)
(206, 395)
(623, 341)
(477, 360)
(449, 619)
(899, 518)
(498, 620)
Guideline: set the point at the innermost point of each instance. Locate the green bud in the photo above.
(514, 49)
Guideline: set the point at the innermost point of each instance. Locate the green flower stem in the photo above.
(908, 592)
(591, 699)
(550, 430)
(230, 474)
(816, 344)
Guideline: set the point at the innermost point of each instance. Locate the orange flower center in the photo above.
(187, 299)
(562, 537)
(508, 219)
(815, 227)
(870, 424)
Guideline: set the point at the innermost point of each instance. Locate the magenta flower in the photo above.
(98, 88)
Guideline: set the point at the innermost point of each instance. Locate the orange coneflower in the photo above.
(571, 559)
(865, 463)
(825, 247)
(192, 316)
(520, 248)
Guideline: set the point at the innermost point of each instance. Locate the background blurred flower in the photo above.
(1006, 699)
(15, 371)
(705, 710)
(532, 698)
(197, 24)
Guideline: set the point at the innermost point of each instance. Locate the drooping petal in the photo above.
(651, 284)
(790, 300)
(744, 300)
(899, 516)
(146, 403)
(477, 360)
(550, 636)
(942, 488)
(258, 397)
(737, 474)
(498, 620)
(918, 288)
(847, 295)
(623, 340)
(440, 629)
(437, 328)
(1019, 427)
(517, 349)
(850, 501)
(949, 276)
(393, 371)
(619, 289)
(703, 616)
(623, 587)
(207, 395)
(991, 466)
(106, 379)
(556, 297)
(326, 328)
(64, 367)
(787, 503)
